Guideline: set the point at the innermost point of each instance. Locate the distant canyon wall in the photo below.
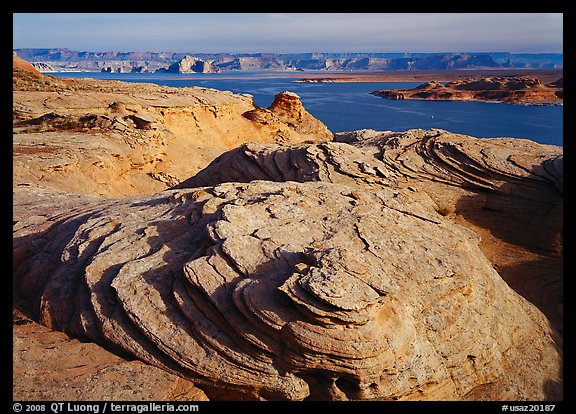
(47, 60)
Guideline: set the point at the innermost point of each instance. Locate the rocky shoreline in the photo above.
(186, 239)
(518, 90)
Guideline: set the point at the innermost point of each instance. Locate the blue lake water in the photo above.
(344, 106)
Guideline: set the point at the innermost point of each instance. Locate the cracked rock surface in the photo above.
(287, 290)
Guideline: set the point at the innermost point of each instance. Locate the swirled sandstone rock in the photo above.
(288, 291)
(512, 176)
(508, 190)
(519, 179)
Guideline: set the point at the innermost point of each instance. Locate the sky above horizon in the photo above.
(291, 32)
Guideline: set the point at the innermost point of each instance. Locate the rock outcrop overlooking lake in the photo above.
(285, 264)
(137, 138)
(522, 90)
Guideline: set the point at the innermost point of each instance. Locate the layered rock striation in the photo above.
(330, 274)
(507, 190)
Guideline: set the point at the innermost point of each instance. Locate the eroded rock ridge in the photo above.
(138, 138)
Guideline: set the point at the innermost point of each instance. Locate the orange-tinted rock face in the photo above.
(287, 101)
(139, 138)
(288, 109)
(48, 366)
(19, 63)
(513, 90)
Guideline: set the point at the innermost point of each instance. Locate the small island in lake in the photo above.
(521, 90)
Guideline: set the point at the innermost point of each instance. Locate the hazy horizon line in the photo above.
(285, 53)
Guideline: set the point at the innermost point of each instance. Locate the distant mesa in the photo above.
(518, 89)
(191, 64)
(113, 61)
(188, 64)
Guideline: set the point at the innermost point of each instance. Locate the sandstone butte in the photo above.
(515, 89)
(185, 244)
